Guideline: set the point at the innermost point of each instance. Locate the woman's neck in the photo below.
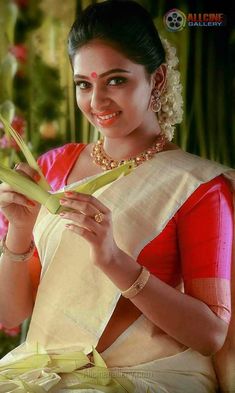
(129, 145)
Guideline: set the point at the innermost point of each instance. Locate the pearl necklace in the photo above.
(106, 162)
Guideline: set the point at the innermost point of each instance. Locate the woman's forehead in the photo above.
(99, 51)
(96, 57)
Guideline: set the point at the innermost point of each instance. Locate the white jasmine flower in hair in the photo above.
(171, 112)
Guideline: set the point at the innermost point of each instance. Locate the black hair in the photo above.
(123, 23)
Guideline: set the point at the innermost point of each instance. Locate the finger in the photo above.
(5, 187)
(26, 170)
(88, 200)
(83, 207)
(7, 198)
(89, 236)
(82, 220)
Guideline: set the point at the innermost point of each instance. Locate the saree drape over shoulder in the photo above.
(75, 300)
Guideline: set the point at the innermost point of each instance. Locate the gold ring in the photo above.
(99, 217)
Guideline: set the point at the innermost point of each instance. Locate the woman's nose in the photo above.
(99, 99)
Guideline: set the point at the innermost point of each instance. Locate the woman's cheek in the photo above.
(78, 97)
(82, 102)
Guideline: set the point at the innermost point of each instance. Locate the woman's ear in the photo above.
(159, 78)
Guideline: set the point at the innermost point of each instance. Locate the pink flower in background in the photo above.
(18, 124)
(10, 332)
(20, 52)
(4, 142)
(22, 3)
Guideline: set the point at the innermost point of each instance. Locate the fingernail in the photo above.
(62, 214)
(31, 203)
(69, 193)
(62, 201)
(36, 177)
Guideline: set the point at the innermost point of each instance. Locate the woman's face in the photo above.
(112, 91)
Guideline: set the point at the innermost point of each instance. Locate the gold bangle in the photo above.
(16, 257)
(138, 285)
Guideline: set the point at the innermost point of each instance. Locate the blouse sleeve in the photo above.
(205, 233)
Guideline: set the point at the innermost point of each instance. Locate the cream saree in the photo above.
(76, 300)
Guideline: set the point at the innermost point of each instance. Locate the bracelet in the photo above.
(16, 257)
(138, 285)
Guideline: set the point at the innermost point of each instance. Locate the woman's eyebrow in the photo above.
(112, 71)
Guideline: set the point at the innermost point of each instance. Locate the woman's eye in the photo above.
(82, 85)
(116, 81)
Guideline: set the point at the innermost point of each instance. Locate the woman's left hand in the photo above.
(92, 220)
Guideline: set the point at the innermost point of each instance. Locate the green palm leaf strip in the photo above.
(50, 200)
(101, 378)
(40, 191)
(25, 150)
(38, 373)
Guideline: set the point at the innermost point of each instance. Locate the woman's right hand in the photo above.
(17, 208)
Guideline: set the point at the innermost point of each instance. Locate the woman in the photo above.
(141, 269)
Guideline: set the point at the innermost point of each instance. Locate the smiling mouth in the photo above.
(108, 116)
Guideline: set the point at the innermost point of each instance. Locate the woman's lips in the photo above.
(107, 118)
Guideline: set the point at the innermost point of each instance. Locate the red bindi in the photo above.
(94, 75)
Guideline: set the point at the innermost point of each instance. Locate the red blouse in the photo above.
(194, 248)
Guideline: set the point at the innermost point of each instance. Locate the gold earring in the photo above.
(155, 101)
